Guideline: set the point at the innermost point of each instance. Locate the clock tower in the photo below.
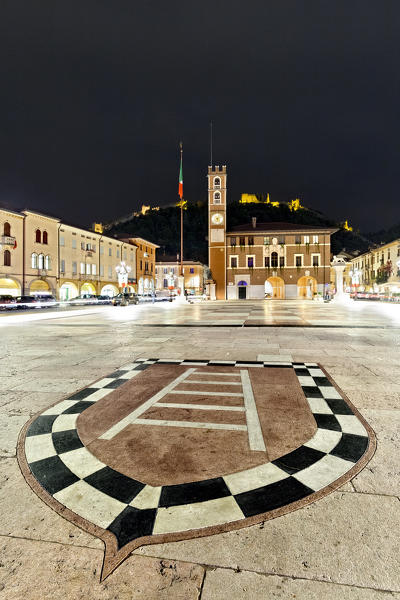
(217, 228)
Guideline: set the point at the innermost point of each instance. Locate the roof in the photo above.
(279, 227)
(170, 259)
(134, 239)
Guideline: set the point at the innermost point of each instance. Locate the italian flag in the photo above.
(180, 188)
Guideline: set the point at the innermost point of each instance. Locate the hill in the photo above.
(163, 227)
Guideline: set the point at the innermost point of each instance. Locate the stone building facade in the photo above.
(168, 270)
(277, 260)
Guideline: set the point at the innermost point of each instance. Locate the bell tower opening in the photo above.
(217, 228)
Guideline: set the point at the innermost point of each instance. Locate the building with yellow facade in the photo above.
(377, 270)
(168, 271)
(41, 255)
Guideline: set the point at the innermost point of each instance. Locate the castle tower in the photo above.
(217, 228)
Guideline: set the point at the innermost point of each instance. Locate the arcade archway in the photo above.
(9, 287)
(276, 285)
(40, 287)
(306, 287)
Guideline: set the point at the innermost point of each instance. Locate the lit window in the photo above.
(41, 261)
(110, 272)
(88, 269)
(93, 269)
(315, 239)
(306, 239)
(191, 270)
(47, 262)
(101, 270)
(82, 268)
(266, 241)
(34, 259)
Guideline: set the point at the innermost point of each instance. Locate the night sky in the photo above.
(96, 95)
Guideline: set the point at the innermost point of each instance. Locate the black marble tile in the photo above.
(324, 381)
(351, 447)
(198, 491)
(52, 474)
(239, 363)
(327, 422)
(115, 484)
(132, 523)
(114, 384)
(41, 425)
(272, 496)
(311, 391)
(116, 374)
(220, 363)
(301, 371)
(83, 394)
(64, 441)
(299, 459)
(141, 367)
(78, 407)
(339, 406)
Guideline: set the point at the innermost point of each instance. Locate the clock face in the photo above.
(217, 219)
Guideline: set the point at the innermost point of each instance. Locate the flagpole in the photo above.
(181, 220)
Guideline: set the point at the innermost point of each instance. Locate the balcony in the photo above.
(7, 240)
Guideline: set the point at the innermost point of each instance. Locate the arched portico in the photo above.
(110, 290)
(306, 287)
(276, 285)
(10, 287)
(40, 287)
(68, 290)
(88, 288)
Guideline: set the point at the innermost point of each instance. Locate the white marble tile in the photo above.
(148, 497)
(38, 447)
(253, 478)
(90, 503)
(316, 372)
(324, 472)
(351, 424)
(129, 374)
(60, 407)
(197, 515)
(99, 394)
(324, 440)
(330, 393)
(65, 422)
(319, 406)
(307, 381)
(81, 462)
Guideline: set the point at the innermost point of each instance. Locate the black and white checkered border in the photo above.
(130, 509)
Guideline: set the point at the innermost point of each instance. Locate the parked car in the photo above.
(7, 302)
(125, 299)
(104, 299)
(84, 299)
(46, 301)
(24, 302)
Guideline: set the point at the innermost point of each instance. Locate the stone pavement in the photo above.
(346, 545)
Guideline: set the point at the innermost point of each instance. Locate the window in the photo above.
(62, 266)
(101, 270)
(117, 252)
(266, 241)
(94, 269)
(82, 268)
(125, 255)
(38, 236)
(141, 265)
(110, 272)
(233, 241)
(165, 283)
(7, 229)
(47, 262)
(73, 242)
(281, 262)
(234, 262)
(251, 240)
(315, 239)
(88, 269)
(398, 250)
(62, 240)
(191, 270)
(7, 258)
(217, 182)
(101, 250)
(274, 260)
(41, 261)
(388, 254)
(83, 246)
(74, 268)
(217, 198)
(34, 261)
(242, 241)
(298, 260)
(281, 239)
(315, 260)
(110, 251)
(250, 262)
(266, 261)
(297, 239)
(151, 267)
(44, 237)
(306, 239)
(165, 269)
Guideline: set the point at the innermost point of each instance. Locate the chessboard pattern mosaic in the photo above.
(130, 509)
